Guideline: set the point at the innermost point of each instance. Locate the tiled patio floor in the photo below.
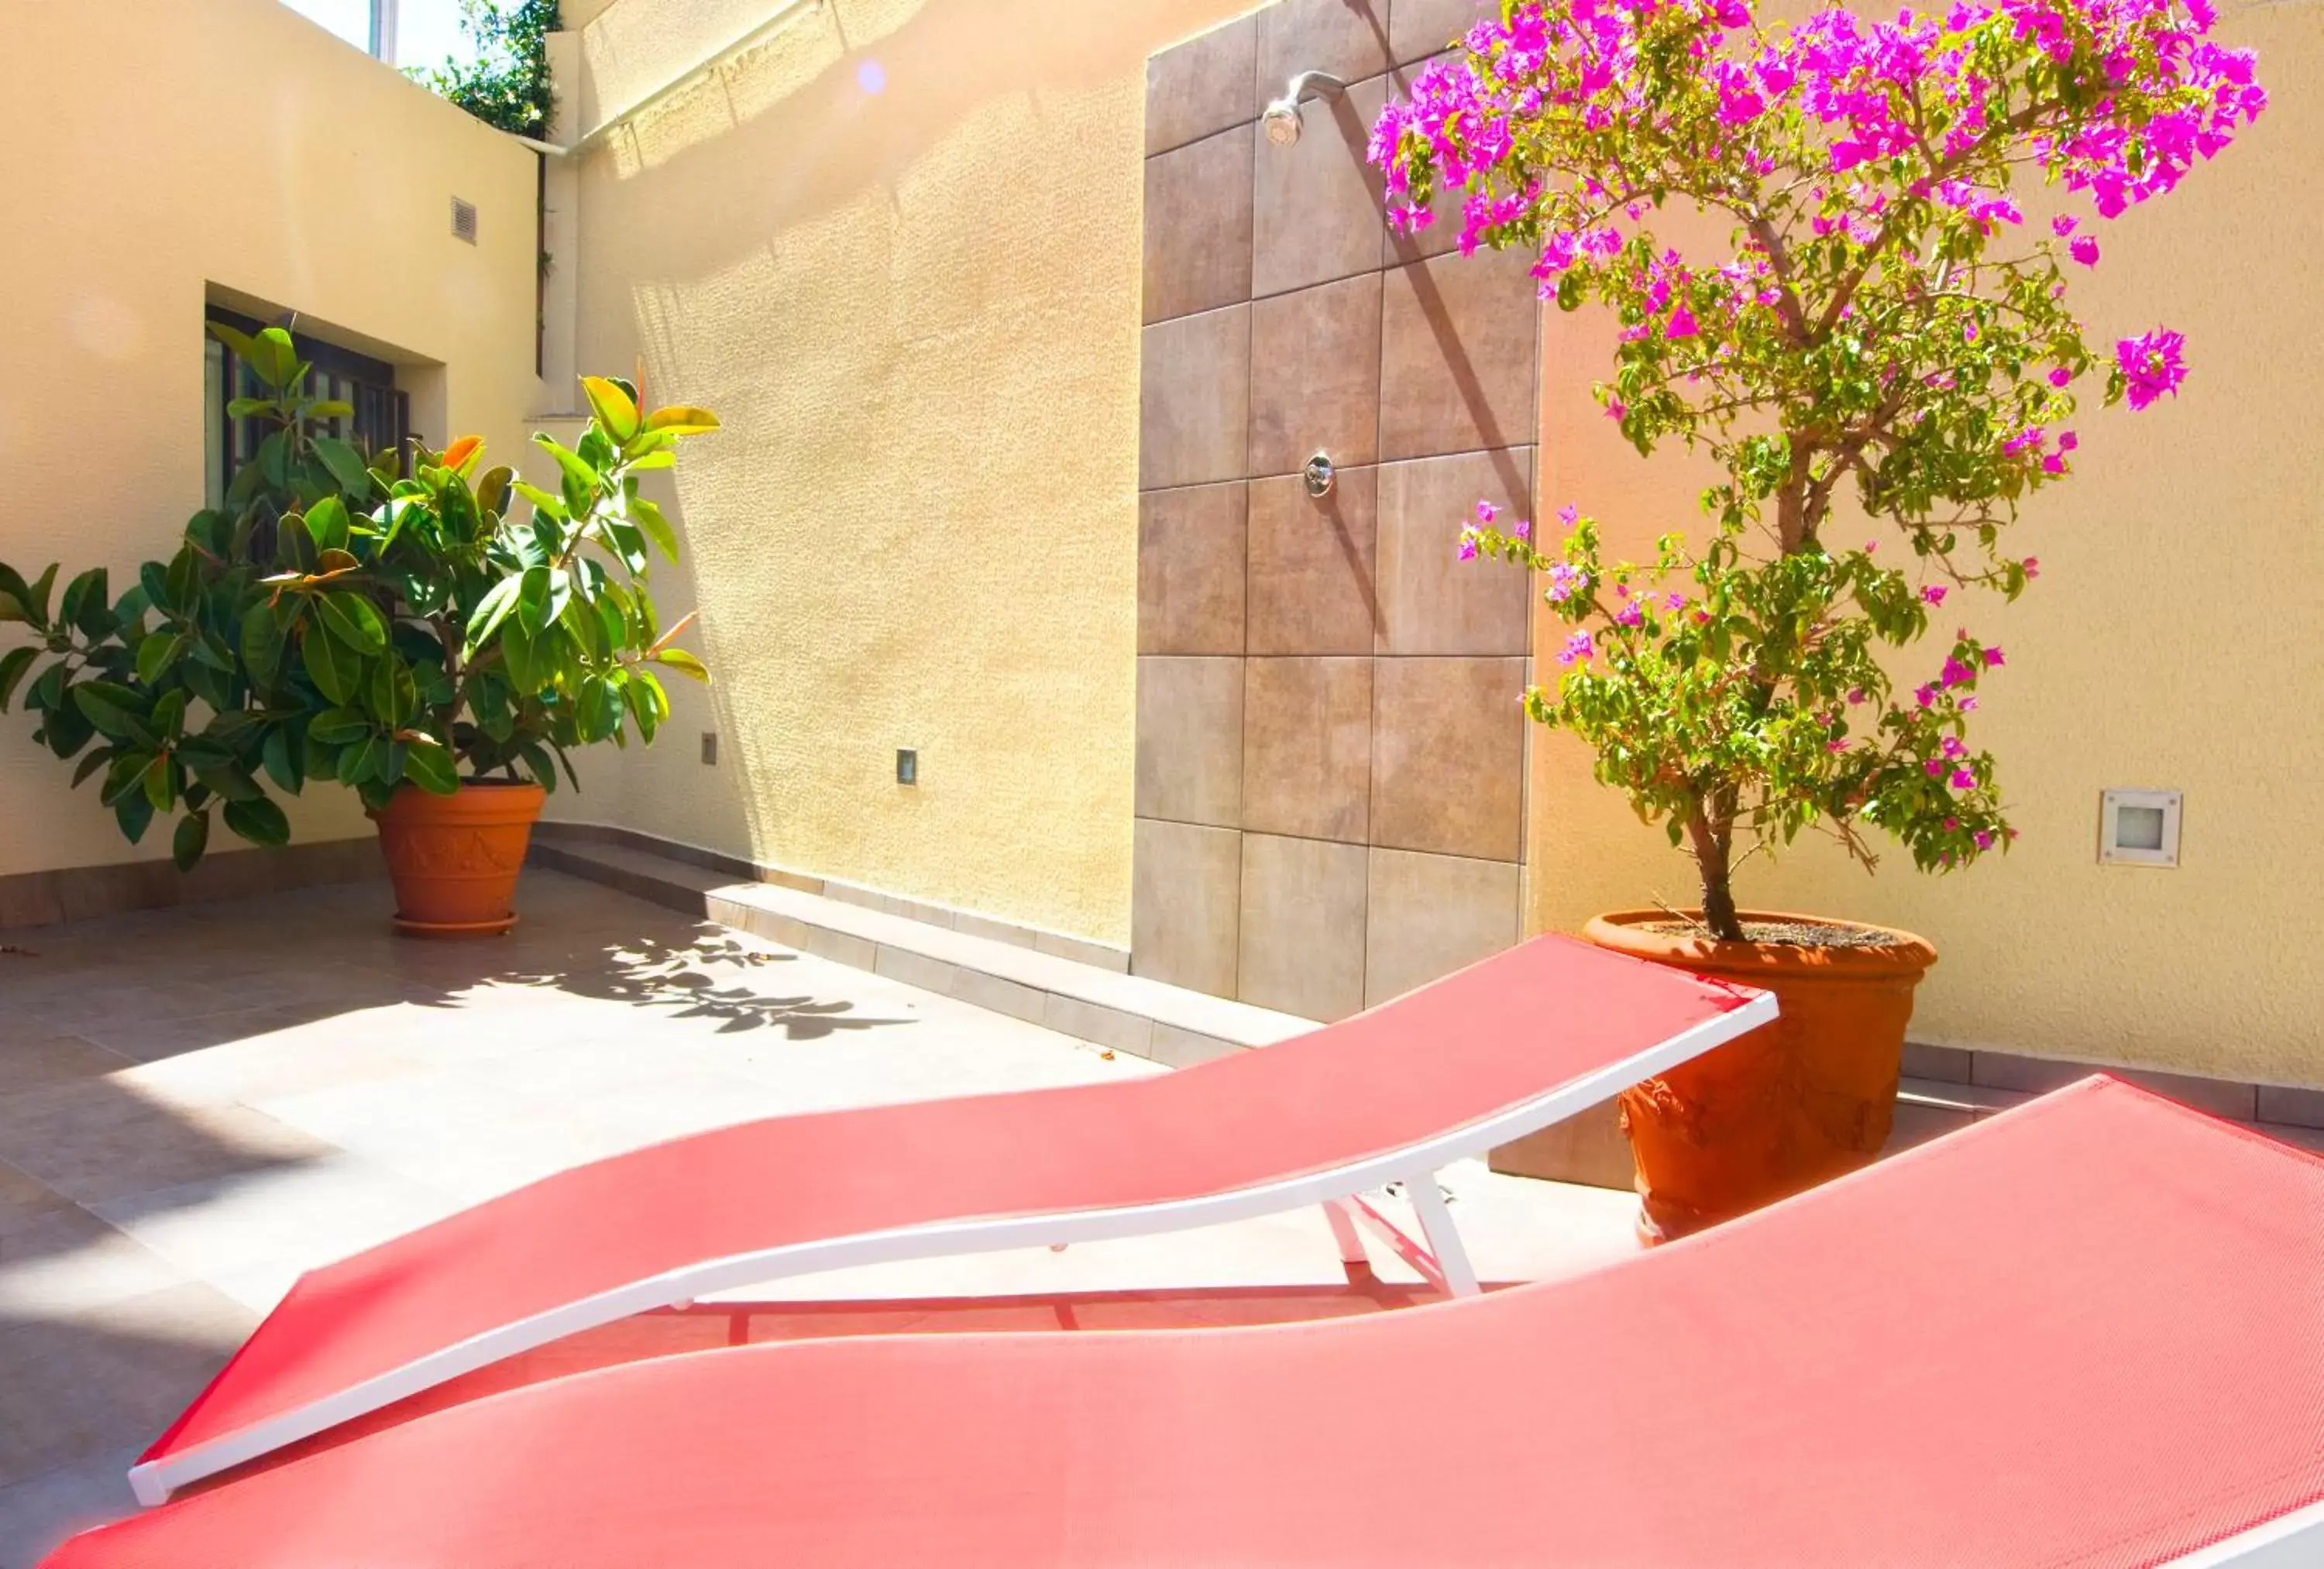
(196, 1105)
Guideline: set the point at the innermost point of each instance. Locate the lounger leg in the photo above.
(1344, 1231)
(1443, 1238)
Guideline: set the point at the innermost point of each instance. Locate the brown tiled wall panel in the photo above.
(1330, 758)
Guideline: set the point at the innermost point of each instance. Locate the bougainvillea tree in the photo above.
(1884, 329)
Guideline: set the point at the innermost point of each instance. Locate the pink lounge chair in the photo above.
(1509, 1045)
(2088, 1331)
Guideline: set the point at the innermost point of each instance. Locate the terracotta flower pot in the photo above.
(1788, 1106)
(454, 859)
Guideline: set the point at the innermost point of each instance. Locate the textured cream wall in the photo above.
(2173, 641)
(916, 312)
(159, 147)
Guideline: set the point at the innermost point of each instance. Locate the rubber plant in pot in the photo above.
(388, 624)
(1880, 343)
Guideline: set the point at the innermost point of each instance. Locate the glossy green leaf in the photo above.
(192, 837)
(169, 714)
(260, 821)
(328, 524)
(648, 516)
(615, 409)
(431, 768)
(262, 642)
(158, 652)
(279, 757)
(12, 665)
(684, 663)
(346, 464)
(135, 813)
(115, 709)
(161, 783)
(679, 419)
(354, 621)
(336, 727)
(333, 667)
(357, 759)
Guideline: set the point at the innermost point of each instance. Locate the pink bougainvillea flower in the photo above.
(1956, 673)
(1681, 322)
(1856, 694)
(1674, 601)
(1984, 840)
(2151, 364)
(1616, 408)
(2033, 565)
(1568, 515)
(1934, 594)
(2068, 441)
(1631, 613)
(1925, 695)
(1953, 747)
(1467, 548)
(1967, 705)
(1993, 657)
(1577, 647)
(1934, 766)
(1837, 744)
(2063, 224)
(1523, 529)
(1487, 511)
(1952, 823)
(1563, 581)
(1963, 779)
(2084, 250)
(2060, 377)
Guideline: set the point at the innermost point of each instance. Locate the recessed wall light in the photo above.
(710, 748)
(907, 765)
(2139, 827)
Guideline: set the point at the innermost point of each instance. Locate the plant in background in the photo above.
(340, 621)
(1882, 316)
(507, 84)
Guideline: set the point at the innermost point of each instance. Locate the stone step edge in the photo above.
(1122, 1012)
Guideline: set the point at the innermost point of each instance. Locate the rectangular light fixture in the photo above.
(2139, 827)
(907, 765)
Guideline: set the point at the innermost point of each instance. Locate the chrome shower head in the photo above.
(1282, 117)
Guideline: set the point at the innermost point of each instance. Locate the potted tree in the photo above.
(1882, 335)
(391, 627)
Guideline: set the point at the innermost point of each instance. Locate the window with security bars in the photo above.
(382, 421)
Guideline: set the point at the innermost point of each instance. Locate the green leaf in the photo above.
(36, 601)
(328, 524)
(332, 666)
(228, 783)
(115, 710)
(328, 408)
(91, 762)
(12, 665)
(679, 419)
(492, 489)
(161, 783)
(279, 761)
(576, 468)
(157, 653)
(358, 761)
(647, 517)
(353, 620)
(272, 357)
(541, 500)
(169, 714)
(232, 338)
(262, 642)
(615, 409)
(345, 463)
(491, 612)
(260, 821)
(336, 727)
(85, 602)
(684, 663)
(546, 593)
(193, 837)
(134, 814)
(431, 768)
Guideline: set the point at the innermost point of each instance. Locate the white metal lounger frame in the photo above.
(2292, 1541)
(1415, 1165)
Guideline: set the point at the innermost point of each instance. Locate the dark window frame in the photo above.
(382, 411)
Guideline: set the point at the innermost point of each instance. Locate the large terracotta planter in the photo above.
(454, 859)
(1786, 1107)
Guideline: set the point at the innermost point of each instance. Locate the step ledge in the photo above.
(1135, 1013)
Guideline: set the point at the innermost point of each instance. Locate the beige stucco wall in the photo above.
(917, 311)
(2173, 641)
(160, 147)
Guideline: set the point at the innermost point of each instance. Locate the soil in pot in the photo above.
(455, 859)
(1790, 1105)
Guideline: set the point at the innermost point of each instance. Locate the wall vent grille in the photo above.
(463, 220)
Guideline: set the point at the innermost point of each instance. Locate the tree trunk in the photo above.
(1711, 829)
